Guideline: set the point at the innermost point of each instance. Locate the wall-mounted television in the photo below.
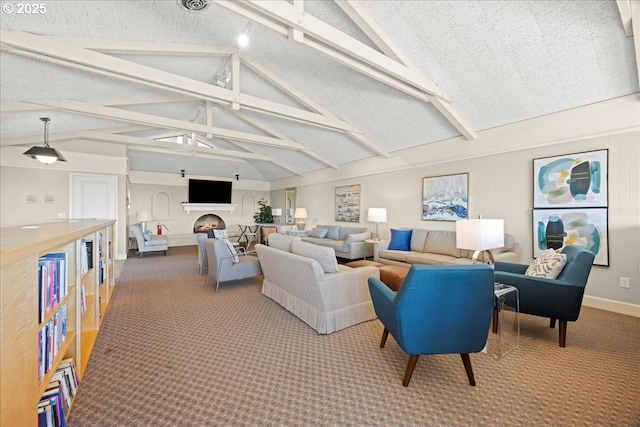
(204, 191)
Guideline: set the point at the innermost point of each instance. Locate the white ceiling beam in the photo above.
(126, 47)
(283, 165)
(296, 35)
(15, 107)
(624, 6)
(174, 152)
(155, 121)
(325, 33)
(46, 47)
(293, 145)
(307, 102)
(64, 136)
(371, 28)
(635, 22)
(351, 62)
(222, 154)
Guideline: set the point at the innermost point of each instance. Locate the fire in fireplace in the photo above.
(208, 222)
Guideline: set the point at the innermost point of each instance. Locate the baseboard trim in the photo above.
(611, 305)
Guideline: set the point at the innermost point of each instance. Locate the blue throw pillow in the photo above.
(400, 240)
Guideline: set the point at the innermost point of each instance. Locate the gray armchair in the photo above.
(224, 266)
(202, 252)
(147, 242)
(559, 298)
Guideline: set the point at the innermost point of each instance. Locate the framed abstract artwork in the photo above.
(445, 197)
(588, 228)
(571, 181)
(348, 203)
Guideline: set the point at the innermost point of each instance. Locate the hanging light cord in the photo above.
(46, 131)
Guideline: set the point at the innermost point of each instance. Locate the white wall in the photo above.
(500, 167)
(245, 194)
(21, 176)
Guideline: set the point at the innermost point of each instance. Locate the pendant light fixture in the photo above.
(45, 154)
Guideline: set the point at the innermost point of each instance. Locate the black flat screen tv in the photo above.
(204, 191)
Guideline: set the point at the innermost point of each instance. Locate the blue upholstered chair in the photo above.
(439, 309)
(559, 298)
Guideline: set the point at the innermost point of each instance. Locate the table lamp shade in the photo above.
(276, 212)
(301, 213)
(377, 215)
(480, 234)
(144, 216)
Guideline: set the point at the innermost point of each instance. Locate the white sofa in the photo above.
(439, 247)
(346, 241)
(328, 302)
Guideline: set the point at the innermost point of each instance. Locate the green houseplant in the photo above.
(264, 215)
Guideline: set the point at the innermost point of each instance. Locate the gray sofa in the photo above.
(439, 247)
(148, 242)
(347, 242)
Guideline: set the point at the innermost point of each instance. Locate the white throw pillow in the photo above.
(318, 233)
(549, 265)
(357, 237)
(220, 234)
(232, 251)
(325, 256)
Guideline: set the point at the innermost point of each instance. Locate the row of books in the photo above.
(50, 338)
(53, 281)
(55, 402)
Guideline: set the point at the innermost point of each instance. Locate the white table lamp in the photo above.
(480, 235)
(142, 218)
(377, 215)
(301, 214)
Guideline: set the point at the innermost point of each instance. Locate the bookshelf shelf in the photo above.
(35, 263)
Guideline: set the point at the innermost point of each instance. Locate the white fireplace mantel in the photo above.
(210, 207)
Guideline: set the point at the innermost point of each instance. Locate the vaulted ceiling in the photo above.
(321, 83)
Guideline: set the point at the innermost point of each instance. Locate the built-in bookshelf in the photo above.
(56, 280)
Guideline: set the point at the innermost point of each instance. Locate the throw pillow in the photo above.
(325, 256)
(232, 251)
(220, 234)
(147, 235)
(549, 265)
(357, 237)
(400, 240)
(318, 233)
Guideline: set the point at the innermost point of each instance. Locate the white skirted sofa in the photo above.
(307, 281)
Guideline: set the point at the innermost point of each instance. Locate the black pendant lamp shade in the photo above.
(45, 154)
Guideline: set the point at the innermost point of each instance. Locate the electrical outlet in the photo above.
(48, 199)
(624, 282)
(31, 199)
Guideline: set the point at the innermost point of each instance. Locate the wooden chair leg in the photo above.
(552, 323)
(562, 336)
(385, 334)
(466, 360)
(494, 327)
(410, 367)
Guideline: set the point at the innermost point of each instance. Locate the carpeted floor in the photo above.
(174, 352)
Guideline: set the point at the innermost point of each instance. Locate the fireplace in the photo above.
(208, 222)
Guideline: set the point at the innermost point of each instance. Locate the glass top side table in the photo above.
(506, 338)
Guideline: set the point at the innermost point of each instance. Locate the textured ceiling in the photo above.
(497, 62)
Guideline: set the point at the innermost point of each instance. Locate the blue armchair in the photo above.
(439, 309)
(559, 298)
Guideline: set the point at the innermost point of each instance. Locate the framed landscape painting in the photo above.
(445, 198)
(348, 203)
(588, 228)
(571, 181)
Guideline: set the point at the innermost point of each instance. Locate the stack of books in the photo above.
(55, 402)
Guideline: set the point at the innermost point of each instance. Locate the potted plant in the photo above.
(264, 214)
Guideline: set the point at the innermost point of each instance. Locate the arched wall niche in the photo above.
(161, 205)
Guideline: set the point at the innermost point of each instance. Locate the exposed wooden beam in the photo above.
(86, 59)
(155, 121)
(624, 6)
(286, 13)
(371, 28)
(307, 102)
(65, 136)
(126, 47)
(14, 107)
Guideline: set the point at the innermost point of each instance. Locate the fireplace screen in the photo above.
(208, 222)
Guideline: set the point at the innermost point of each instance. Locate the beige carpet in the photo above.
(174, 352)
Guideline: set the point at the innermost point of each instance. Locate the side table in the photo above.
(376, 247)
(508, 339)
